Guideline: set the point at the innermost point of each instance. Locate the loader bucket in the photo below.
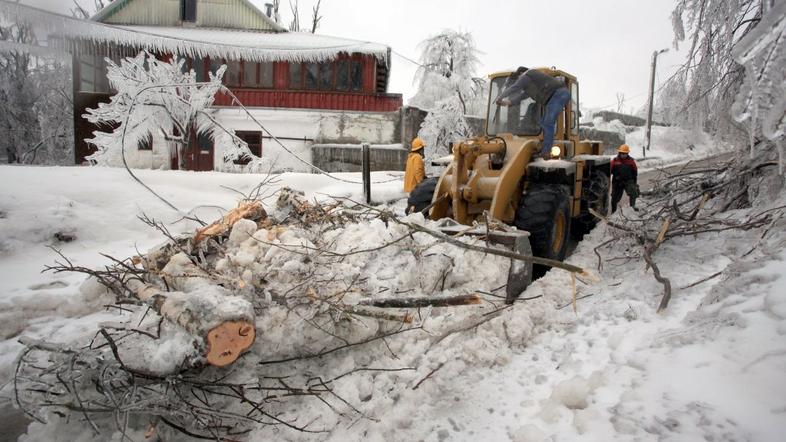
(520, 273)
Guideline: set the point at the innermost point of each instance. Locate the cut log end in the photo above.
(226, 342)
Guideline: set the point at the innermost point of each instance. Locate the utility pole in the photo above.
(651, 101)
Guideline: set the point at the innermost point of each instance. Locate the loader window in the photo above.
(574, 98)
(520, 119)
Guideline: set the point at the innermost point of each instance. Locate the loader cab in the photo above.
(523, 120)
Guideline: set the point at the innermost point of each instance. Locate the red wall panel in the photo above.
(313, 100)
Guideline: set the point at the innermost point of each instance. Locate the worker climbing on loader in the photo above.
(545, 90)
(415, 171)
(624, 175)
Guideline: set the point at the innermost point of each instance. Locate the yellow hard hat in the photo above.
(417, 144)
(624, 149)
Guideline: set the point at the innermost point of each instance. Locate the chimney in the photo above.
(269, 9)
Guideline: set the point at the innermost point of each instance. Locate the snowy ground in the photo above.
(710, 368)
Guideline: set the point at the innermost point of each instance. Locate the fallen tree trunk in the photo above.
(443, 301)
(251, 210)
(225, 323)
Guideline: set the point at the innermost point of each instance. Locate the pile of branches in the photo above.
(697, 198)
(228, 383)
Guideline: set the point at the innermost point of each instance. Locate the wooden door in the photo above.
(199, 155)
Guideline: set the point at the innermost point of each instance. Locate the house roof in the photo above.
(196, 42)
(235, 44)
(117, 5)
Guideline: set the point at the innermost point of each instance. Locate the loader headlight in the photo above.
(555, 151)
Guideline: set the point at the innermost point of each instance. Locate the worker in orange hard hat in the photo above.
(624, 174)
(415, 171)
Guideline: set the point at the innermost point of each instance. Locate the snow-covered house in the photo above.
(305, 87)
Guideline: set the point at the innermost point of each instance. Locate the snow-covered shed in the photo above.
(307, 86)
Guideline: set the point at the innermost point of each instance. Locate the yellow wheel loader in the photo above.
(501, 176)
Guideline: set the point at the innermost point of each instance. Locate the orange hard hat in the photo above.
(417, 144)
(624, 149)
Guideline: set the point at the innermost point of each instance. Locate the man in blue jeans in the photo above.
(545, 90)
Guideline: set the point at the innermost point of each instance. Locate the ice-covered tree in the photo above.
(156, 97)
(444, 124)
(761, 101)
(36, 124)
(449, 64)
(449, 89)
(710, 75)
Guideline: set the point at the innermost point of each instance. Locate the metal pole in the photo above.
(366, 159)
(651, 99)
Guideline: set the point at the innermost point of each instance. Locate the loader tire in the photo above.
(544, 212)
(596, 197)
(421, 196)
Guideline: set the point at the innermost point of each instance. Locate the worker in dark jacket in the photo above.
(624, 175)
(545, 90)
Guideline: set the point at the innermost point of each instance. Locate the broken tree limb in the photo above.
(649, 248)
(369, 312)
(664, 301)
(224, 323)
(663, 230)
(249, 210)
(490, 251)
(443, 301)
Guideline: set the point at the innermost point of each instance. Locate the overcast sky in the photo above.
(607, 44)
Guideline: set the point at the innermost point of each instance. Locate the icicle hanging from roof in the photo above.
(193, 42)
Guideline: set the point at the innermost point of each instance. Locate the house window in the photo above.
(349, 75)
(295, 76)
(257, 75)
(250, 74)
(92, 74)
(198, 65)
(145, 143)
(204, 142)
(356, 76)
(266, 75)
(312, 75)
(232, 74)
(317, 76)
(343, 75)
(326, 76)
(215, 65)
(254, 141)
(188, 10)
